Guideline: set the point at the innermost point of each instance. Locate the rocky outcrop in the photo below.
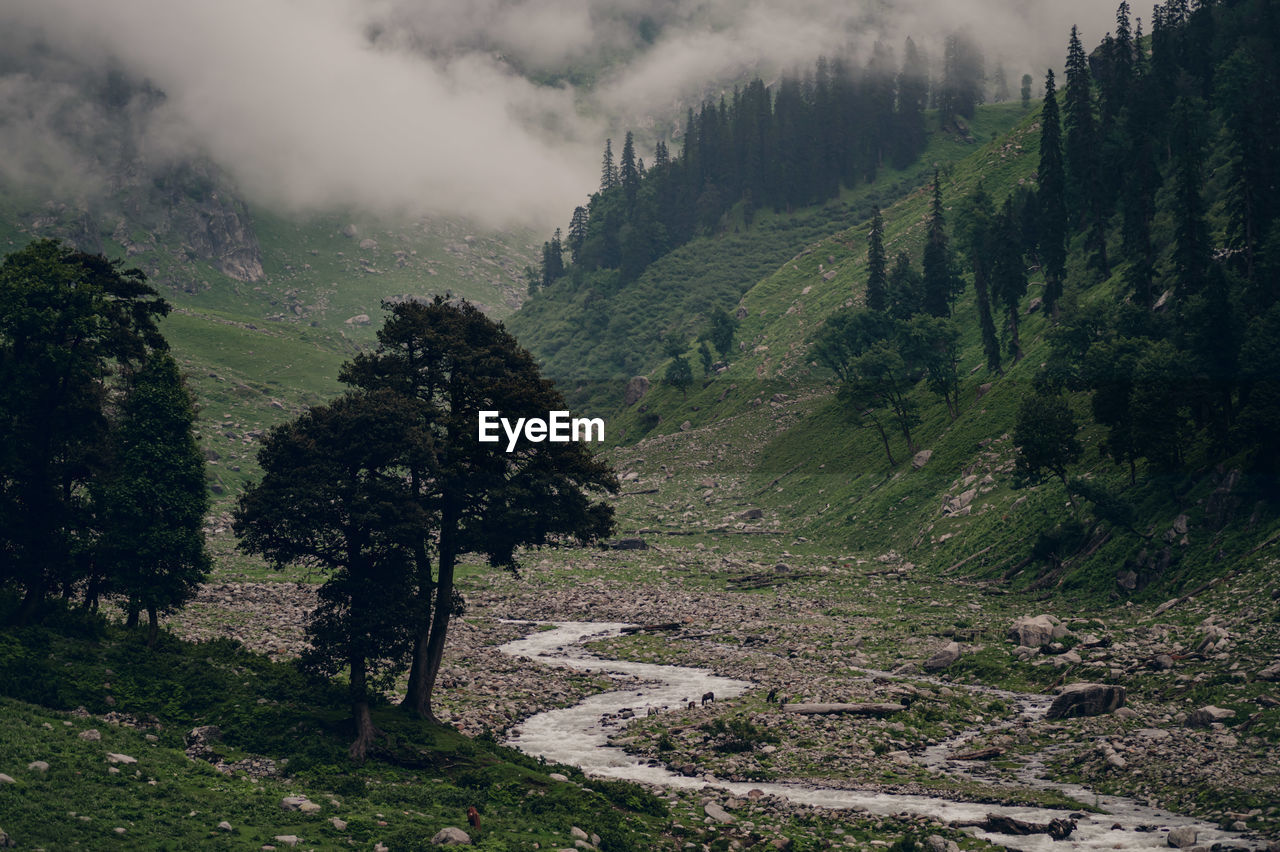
(637, 387)
(1086, 699)
(1034, 631)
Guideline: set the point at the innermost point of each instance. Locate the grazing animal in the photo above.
(692, 706)
(772, 696)
(708, 697)
(653, 711)
(782, 702)
(473, 818)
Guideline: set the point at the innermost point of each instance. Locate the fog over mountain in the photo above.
(493, 110)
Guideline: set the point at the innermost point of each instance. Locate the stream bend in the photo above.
(579, 736)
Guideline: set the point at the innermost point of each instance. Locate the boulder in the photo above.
(937, 843)
(338, 823)
(38, 766)
(112, 757)
(6, 779)
(287, 839)
(91, 735)
(224, 826)
(1034, 631)
(293, 803)
(1086, 699)
(1182, 837)
(1271, 672)
(628, 544)
(920, 459)
(451, 836)
(752, 514)
(637, 387)
(358, 319)
(1207, 715)
(945, 657)
(718, 813)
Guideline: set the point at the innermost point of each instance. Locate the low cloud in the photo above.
(429, 106)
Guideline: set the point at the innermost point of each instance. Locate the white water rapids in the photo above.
(579, 735)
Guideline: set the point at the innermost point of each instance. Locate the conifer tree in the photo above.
(939, 277)
(1009, 273)
(978, 234)
(608, 171)
(1000, 85)
(1052, 198)
(1026, 91)
(1084, 188)
(877, 270)
(906, 290)
(628, 173)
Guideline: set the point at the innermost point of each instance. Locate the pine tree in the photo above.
(1084, 190)
(1191, 248)
(154, 499)
(939, 277)
(1000, 91)
(628, 173)
(608, 171)
(906, 290)
(1026, 91)
(1009, 273)
(877, 268)
(577, 232)
(978, 235)
(1052, 198)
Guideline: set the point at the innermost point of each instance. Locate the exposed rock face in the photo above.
(1036, 631)
(920, 459)
(636, 388)
(1086, 699)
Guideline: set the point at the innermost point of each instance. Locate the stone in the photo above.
(224, 826)
(1086, 699)
(6, 842)
(1271, 672)
(578, 834)
(309, 807)
(287, 839)
(358, 319)
(637, 387)
(1034, 631)
(38, 766)
(368, 244)
(751, 514)
(686, 426)
(628, 544)
(1207, 715)
(984, 389)
(556, 776)
(5, 779)
(339, 824)
(451, 836)
(1127, 580)
(112, 757)
(293, 803)
(936, 843)
(943, 658)
(718, 813)
(1162, 662)
(1182, 837)
(921, 459)
(204, 734)
(91, 735)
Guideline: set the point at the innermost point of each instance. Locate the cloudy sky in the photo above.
(430, 106)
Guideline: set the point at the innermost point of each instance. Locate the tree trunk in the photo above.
(415, 696)
(358, 689)
(1015, 347)
(131, 620)
(153, 627)
(439, 630)
(30, 604)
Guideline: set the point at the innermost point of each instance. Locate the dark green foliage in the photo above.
(978, 232)
(906, 288)
(963, 76)
(679, 374)
(933, 344)
(153, 499)
(447, 362)
(1025, 91)
(1052, 197)
(877, 267)
(1046, 439)
(940, 282)
(704, 355)
(723, 327)
(69, 322)
(1008, 272)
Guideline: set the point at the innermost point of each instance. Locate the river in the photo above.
(579, 736)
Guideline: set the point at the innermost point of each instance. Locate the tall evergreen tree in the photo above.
(978, 235)
(1026, 91)
(152, 503)
(1009, 273)
(877, 267)
(939, 277)
(1084, 189)
(628, 173)
(1191, 248)
(1051, 198)
(608, 171)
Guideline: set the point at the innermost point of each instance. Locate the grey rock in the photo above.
(6, 842)
(920, 459)
(1127, 580)
(339, 824)
(1162, 662)
(91, 735)
(718, 813)
(752, 514)
(1034, 631)
(287, 839)
(112, 757)
(1271, 672)
(1207, 715)
(224, 826)
(1086, 699)
(293, 803)
(5, 779)
(204, 734)
(936, 843)
(358, 319)
(637, 387)
(686, 426)
(943, 658)
(1182, 837)
(578, 834)
(556, 776)
(38, 766)
(451, 836)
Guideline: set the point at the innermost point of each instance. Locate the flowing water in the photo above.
(579, 735)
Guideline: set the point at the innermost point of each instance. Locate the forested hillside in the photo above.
(1083, 309)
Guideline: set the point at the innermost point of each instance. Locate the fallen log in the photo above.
(642, 628)
(1058, 829)
(978, 754)
(877, 709)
